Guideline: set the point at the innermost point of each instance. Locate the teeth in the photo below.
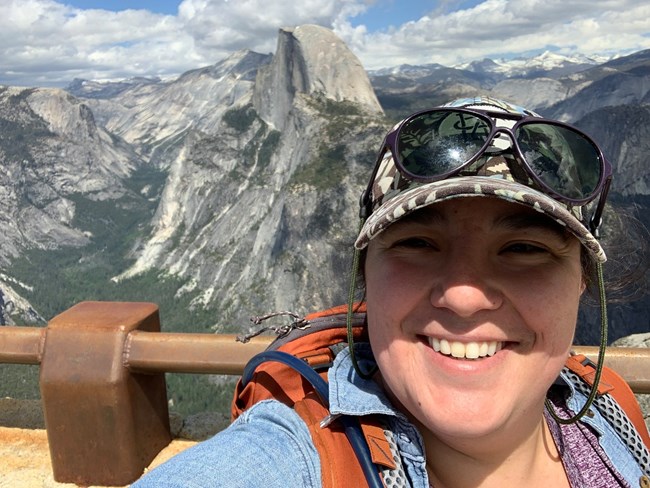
(471, 350)
(468, 350)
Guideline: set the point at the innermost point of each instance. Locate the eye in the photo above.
(524, 248)
(414, 243)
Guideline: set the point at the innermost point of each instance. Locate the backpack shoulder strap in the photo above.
(339, 461)
(339, 466)
(294, 371)
(612, 383)
(342, 445)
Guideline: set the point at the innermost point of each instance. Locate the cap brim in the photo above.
(475, 186)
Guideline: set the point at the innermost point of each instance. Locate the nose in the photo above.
(465, 289)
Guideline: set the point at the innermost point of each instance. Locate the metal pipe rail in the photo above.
(148, 352)
(103, 389)
(175, 352)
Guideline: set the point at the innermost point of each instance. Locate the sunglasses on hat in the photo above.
(558, 159)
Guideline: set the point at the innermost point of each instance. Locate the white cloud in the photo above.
(253, 24)
(44, 42)
(507, 27)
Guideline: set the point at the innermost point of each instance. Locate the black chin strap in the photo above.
(351, 291)
(601, 357)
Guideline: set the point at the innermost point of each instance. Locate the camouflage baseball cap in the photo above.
(393, 195)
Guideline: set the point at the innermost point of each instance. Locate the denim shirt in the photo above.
(269, 444)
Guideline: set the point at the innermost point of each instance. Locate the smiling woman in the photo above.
(478, 241)
(468, 284)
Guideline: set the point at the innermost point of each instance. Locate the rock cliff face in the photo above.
(155, 117)
(626, 137)
(310, 60)
(253, 216)
(50, 149)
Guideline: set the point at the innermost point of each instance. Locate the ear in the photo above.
(583, 285)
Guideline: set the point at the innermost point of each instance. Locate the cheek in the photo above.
(396, 356)
(550, 308)
(397, 295)
(396, 280)
(393, 291)
(382, 299)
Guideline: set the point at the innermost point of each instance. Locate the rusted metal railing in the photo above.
(103, 391)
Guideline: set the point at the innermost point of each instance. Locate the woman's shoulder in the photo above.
(268, 445)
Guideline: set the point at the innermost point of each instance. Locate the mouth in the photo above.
(465, 350)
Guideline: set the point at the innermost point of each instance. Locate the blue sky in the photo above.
(159, 6)
(382, 14)
(51, 42)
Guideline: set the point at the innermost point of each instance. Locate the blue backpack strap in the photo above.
(351, 424)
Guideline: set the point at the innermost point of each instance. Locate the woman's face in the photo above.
(472, 307)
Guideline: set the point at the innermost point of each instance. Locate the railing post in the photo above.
(104, 423)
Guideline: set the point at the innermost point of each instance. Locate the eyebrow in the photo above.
(425, 216)
(523, 221)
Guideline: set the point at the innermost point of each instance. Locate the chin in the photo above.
(467, 427)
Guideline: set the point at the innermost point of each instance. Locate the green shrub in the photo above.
(326, 170)
(240, 119)
(268, 147)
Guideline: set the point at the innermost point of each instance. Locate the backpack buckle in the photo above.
(280, 330)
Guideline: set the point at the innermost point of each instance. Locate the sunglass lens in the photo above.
(562, 158)
(436, 143)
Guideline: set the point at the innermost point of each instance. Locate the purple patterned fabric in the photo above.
(584, 460)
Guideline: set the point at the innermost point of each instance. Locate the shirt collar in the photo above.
(352, 395)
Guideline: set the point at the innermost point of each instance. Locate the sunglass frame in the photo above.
(601, 189)
(391, 142)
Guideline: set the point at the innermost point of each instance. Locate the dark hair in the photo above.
(626, 241)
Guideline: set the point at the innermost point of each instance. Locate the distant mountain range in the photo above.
(547, 64)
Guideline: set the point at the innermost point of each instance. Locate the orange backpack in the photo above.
(295, 366)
